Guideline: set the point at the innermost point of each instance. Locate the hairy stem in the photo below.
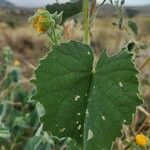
(86, 21)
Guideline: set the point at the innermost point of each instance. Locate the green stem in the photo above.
(3, 148)
(4, 110)
(55, 38)
(86, 21)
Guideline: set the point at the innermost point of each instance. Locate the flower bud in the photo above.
(42, 21)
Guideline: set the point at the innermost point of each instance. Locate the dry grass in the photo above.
(105, 34)
(25, 43)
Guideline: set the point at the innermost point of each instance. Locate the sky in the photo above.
(38, 3)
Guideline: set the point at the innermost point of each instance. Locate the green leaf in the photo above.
(122, 2)
(111, 1)
(33, 143)
(82, 103)
(112, 100)
(130, 46)
(69, 9)
(5, 133)
(133, 26)
(143, 46)
(65, 85)
(72, 145)
(21, 121)
(41, 142)
(40, 109)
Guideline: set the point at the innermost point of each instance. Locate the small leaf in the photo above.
(5, 133)
(120, 23)
(103, 2)
(33, 143)
(133, 26)
(40, 109)
(72, 145)
(143, 46)
(39, 130)
(42, 142)
(22, 121)
(114, 24)
(130, 46)
(122, 2)
(69, 9)
(111, 1)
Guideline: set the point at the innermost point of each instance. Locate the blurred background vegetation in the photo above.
(17, 35)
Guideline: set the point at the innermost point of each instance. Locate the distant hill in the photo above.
(13, 15)
(141, 10)
(109, 10)
(106, 10)
(5, 4)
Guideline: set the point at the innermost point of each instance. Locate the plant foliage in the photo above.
(85, 103)
(133, 26)
(20, 127)
(69, 9)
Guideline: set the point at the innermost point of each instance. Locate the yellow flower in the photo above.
(141, 140)
(16, 63)
(37, 23)
(42, 21)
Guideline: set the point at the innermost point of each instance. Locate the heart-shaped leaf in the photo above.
(89, 105)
